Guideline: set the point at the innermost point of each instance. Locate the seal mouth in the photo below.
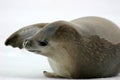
(34, 51)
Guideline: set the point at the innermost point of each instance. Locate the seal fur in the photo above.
(83, 48)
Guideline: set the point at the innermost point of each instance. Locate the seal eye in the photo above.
(43, 43)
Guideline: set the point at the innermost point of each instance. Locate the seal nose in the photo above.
(27, 43)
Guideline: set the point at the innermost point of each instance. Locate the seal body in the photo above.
(87, 47)
(98, 26)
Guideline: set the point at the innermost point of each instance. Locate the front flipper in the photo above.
(52, 75)
(17, 38)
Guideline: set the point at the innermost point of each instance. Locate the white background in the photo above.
(15, 14)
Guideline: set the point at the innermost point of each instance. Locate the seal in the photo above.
(17, 38)
(87, 47)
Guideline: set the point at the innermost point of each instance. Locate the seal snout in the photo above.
(27, 43)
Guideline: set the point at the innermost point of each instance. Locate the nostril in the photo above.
(26, 43)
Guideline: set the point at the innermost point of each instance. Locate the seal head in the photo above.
(50, 36)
